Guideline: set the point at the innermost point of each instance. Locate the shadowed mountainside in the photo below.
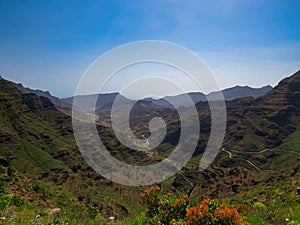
(260, 152)
(229, 94)
(41, 162)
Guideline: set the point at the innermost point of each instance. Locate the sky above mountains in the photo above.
(49, 44)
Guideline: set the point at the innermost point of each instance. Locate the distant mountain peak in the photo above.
(56, 101)
(231, 93)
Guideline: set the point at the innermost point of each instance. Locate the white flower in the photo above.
(111, 218)
(2, 218)
(287, 219)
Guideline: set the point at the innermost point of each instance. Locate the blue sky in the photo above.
(49, 44)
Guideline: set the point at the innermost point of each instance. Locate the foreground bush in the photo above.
(168, 210)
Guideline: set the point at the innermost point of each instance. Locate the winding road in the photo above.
(259, 152)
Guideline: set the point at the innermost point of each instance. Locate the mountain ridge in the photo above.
(36, 141)
(37, 144)
(231, 93)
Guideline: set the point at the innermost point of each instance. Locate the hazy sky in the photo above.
(49, 44)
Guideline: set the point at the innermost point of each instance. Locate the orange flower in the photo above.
(200, 214)
(246, 223)
(216, 213)
(205, 201)
(142, 196)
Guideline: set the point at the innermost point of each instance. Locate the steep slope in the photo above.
(267, 121)
(40, 161)
(35, 127)
(260, 158)
(56, 101)
(36, 141)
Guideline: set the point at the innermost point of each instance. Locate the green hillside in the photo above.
(45, 180)
(41, 163)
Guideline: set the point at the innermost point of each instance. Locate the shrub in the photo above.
(11, 200)
(168, 209)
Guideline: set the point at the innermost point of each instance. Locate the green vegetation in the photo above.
(168, 209)
(292, 142)
(44, 179)
(40, 163)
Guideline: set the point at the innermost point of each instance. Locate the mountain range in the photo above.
(229, 94)
(179, 100)
(258, 162)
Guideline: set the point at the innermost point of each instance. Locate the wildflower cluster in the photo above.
(150, 199)
(213, 212)
(163, 208)
(169, 210)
